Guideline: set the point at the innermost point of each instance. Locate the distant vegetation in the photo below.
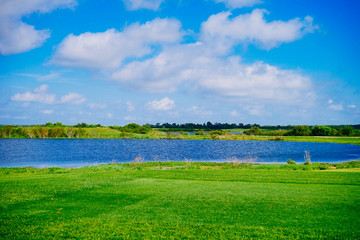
(333, 133)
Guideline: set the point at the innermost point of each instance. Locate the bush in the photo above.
(301, 130)
(347, 130)
(289, 161)
(136, 128)
(321, 131)
(217, 132)
(253, 131)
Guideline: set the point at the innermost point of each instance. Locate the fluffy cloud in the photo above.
(73, 98)
(202, 67)
(17, 36)
(334, 106)
(164, 104)
(40, 95)
(253, 28)
(239, 3)
(142, 4)
(108, 49)
(193, 67)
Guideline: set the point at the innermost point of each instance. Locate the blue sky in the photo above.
(146, 61)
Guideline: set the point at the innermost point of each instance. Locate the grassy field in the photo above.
(111, 133)
(162, 200)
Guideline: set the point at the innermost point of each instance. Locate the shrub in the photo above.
(253, 131)
(301, 130)
(289, 161)
(321, 131)
(347, 130)
(136, 128)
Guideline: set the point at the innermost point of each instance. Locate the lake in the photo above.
(81, 152)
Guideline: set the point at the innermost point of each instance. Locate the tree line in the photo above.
(304, 130)
(220, 126)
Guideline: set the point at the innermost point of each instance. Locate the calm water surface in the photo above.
(81, 152)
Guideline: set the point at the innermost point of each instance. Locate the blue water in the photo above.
(81, 152)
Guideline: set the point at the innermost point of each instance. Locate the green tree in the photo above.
(6, 131)
(59, 124)
(300, 130)
(57, 132)
(255, 130)
(49, 124)
(347, 130)
(20, 132)
(40, 132)
(80, 132)
(136, 128)
(321, 131)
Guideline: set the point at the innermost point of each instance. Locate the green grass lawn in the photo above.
(180, 201)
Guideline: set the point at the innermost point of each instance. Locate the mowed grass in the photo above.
(179, 201)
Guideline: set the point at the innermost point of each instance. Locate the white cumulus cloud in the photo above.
(164, 104)
(108, 49)
(17, 36)
(192, 66)
(142, 4)
(40, 95)
(73, 98)
(253, 28)
(206, 66)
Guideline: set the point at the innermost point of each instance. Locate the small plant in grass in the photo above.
(234, 161)
(289, 161)
(188, 161)
(139, 159)
(323, 166)
(190, 164)
(307, 158)
(137, 163)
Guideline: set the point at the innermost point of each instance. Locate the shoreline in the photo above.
(315, 139)
(351, 164)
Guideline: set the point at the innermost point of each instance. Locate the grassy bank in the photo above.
(184, 200)
(66, 132)
(110, 133)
